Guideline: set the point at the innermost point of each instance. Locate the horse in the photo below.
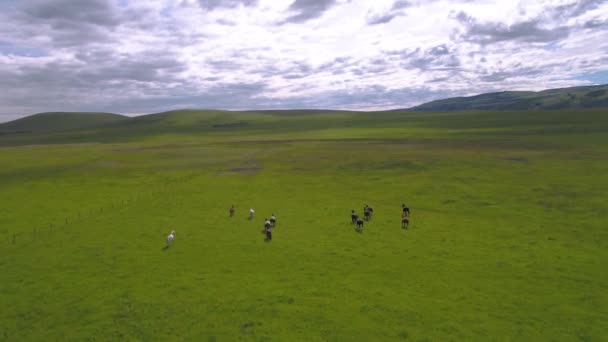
(232, 211)
(268, 230)
(406, 210)
(273, 220)
(405, 221)
(170, 238)
(367, 214)
(354, 217)
(359, 224)
(251, 213)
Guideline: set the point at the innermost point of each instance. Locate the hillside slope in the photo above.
(564, 98)
(58, 121)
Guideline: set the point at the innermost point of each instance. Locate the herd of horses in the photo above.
(270, 223)
(368, 213)
(355, 218)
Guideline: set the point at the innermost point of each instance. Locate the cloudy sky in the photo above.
(144, 56)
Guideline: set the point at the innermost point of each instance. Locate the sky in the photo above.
(145, 56)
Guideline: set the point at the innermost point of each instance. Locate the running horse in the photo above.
(405, 221)
(367, 212)
(353, 216)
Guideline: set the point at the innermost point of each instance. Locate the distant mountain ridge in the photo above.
(561, 98)
(564, 98)
(58, 121)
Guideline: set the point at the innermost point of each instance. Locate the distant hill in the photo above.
(299, 112)
(562, 98)
(209, 120)
(58, 121)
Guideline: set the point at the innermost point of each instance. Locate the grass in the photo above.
(507, 240)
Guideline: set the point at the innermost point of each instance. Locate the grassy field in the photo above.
(508, 238)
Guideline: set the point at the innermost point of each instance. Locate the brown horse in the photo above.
(232, 211)
(405, 221)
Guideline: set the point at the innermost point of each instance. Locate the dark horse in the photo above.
(406, 209)
(353, 216)
(367, 214)
(405, 221)
(359, 224)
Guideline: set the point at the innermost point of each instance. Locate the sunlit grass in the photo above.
(507, 240)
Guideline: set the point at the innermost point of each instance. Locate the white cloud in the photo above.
(148, 56)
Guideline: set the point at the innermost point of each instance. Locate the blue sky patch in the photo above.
(10, 49)
(598, 77)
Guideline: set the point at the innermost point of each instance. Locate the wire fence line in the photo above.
(59, 224)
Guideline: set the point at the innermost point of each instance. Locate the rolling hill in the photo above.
(563, 98)
(58, 121)
(208, 120)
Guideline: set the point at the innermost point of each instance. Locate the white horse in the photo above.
(251, 213)
(170, 238)
(273, 220)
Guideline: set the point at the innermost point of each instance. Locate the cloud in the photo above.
(67, 23)
(367, 97)
(304, 10)
(386, 17)
(574, 9)
(62, 13)
(401, 4)
(226, 22)
(215, 4)
(596, 24)
(439, 57)
(236, 96)
(382, 19)
(148, 56)
(494, 32)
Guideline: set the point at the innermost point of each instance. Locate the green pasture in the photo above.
(508, 237)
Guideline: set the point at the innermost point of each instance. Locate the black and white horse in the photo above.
(368, 212)
(268, 230)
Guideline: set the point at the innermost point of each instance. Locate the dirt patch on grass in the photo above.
(149, 148)
(232, 125)
(247, 167)
(244, 169)
(111, 163)
(517, 159)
